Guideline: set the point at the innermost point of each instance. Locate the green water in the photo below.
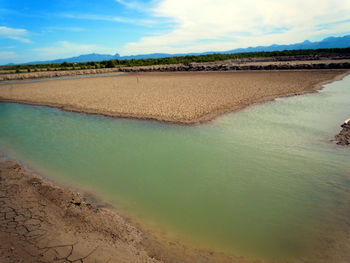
(265, 182)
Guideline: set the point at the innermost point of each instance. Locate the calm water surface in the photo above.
(265, 182)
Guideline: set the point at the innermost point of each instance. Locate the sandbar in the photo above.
(178, 97)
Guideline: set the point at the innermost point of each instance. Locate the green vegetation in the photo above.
(186, 60)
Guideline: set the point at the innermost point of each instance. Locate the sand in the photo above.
(9, 75)
(42, 222)
(180, 97)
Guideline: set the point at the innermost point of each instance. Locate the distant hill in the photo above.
(330, 42)
(81, 58)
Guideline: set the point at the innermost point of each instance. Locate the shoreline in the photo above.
(42, 221)
(200, 114)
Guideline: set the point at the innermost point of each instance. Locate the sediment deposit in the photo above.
(180, 97)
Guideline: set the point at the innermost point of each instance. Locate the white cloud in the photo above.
(96, 17)
(65, 49)
(136, 5)
(15, 34)
(202, 25)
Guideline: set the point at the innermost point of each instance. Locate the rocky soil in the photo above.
(343, 138)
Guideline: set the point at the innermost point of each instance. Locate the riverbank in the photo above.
(180, 97)
(42, 222)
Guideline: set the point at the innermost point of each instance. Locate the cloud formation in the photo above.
(132, 4)
(15, 34)
(203, 25)
(97, 17)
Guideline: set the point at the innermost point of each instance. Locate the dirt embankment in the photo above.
(341, 61)
(55, 74)
(280, 65)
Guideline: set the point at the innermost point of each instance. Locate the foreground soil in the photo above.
(41, 222)
(180, 97)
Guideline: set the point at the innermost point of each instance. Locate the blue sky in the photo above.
(42, 30)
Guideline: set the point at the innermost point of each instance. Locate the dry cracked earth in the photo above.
(43, 223)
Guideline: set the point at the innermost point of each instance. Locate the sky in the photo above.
(33, 30)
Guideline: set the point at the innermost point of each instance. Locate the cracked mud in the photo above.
(43, 223)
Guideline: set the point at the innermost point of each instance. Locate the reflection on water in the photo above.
(264, 182)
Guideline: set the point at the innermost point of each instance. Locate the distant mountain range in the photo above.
(331, 42)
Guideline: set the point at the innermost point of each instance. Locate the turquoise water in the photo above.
(264, 182)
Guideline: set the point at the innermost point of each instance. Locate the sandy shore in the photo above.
(180, 97)
(41, 222)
